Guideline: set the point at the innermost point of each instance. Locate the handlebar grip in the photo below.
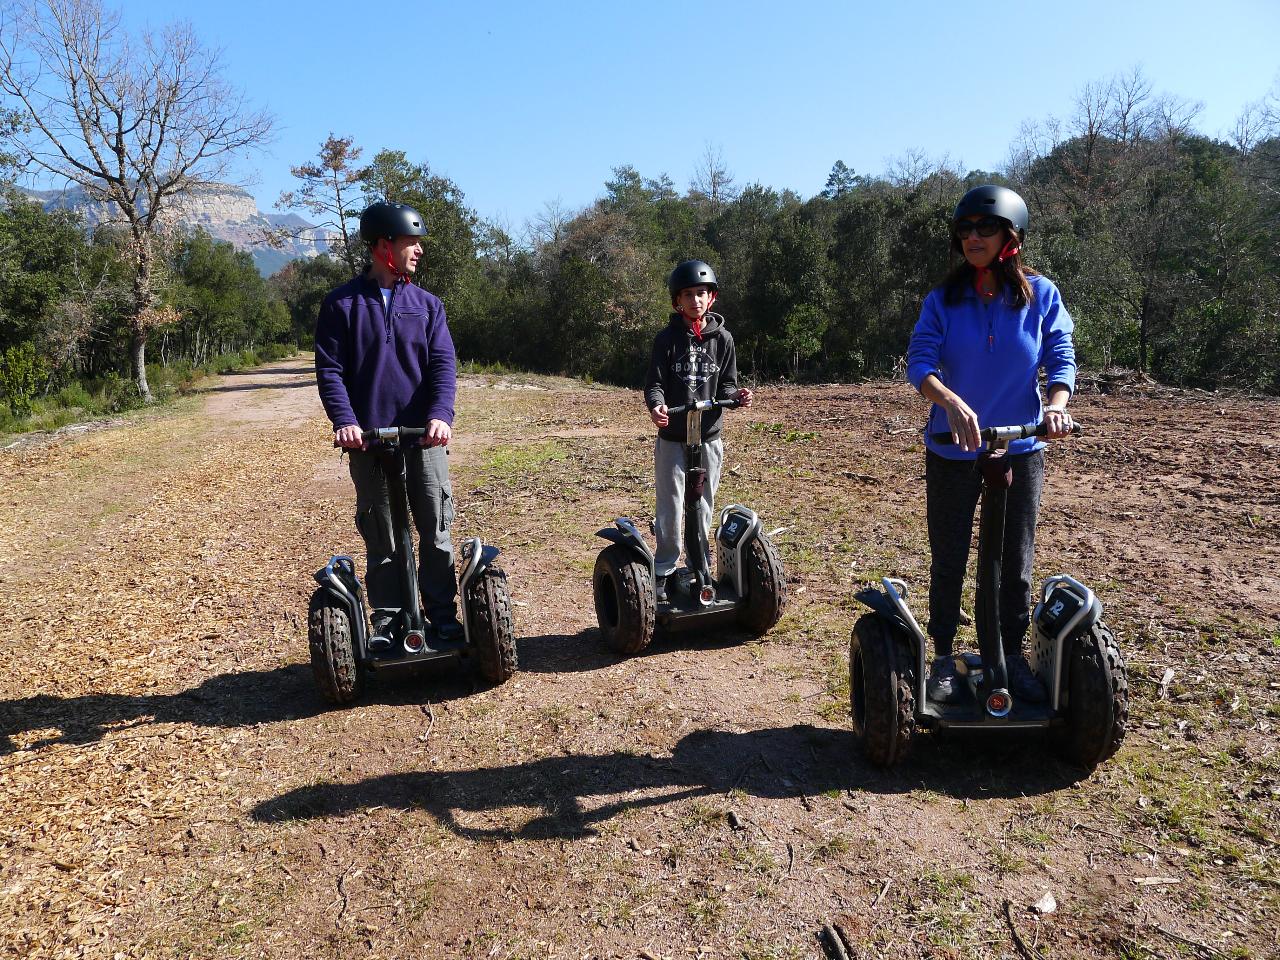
(713, 405)
(993, 433)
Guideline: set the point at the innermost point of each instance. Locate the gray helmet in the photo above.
(994, 201)
(390, 220)
(691, 273)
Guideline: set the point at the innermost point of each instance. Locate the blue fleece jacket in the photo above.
(382, 366)
(990, 354)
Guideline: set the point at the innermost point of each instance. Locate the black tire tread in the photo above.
(1096, 677)
(888, 725)
(493, 636)
(338, 675)
(767, 586)
(632, 585)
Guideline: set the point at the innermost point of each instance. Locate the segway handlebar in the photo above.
(393, 434)
(1005, 434)
(390, 435)
(705, 405)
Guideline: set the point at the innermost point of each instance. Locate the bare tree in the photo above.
(138, 122)
(327, 188)
(712, 179)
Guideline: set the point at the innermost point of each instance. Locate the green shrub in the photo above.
(22, 371)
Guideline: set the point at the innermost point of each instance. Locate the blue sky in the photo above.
(525, 103)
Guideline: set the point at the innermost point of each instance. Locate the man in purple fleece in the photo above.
(384, 358)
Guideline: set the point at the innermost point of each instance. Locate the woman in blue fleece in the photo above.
(984, 334)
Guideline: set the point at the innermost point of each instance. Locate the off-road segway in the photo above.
(344, 646)
(749, 589)
(1074, 655)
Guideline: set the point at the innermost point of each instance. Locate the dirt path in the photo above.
(170, 785)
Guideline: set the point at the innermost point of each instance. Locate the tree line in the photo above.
(1165, 243)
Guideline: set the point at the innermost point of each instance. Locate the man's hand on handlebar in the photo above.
(438, 434)
(349, 437)
(659, 416)
(743, 397)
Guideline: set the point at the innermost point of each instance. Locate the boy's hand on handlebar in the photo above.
(438, 434)
(659, 416)
(349, 437)
(743, 397)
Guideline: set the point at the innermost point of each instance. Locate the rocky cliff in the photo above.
(226, 212)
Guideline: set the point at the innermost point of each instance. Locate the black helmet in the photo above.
(691, 273)
(390, 220)
(996, 202)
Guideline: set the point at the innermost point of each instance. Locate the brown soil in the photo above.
(171, 785)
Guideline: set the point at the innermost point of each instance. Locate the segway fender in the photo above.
(882, 606)
(624, 533)
(1066, 608)
(478, 557)
(338, 578)
(738, 527)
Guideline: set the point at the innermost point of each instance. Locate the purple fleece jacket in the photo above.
(381, 367)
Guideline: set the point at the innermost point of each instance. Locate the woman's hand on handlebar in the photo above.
(743, 397)
(438, 434)
(659, 416)
(1057, 424)
(963, 422)
(349, 437)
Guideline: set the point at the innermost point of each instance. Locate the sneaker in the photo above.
(450, 631)
(660, 589)
(1023, 683)
(943, 685)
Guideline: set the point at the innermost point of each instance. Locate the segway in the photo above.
(1073, 654)
(344, 646)
(748, 591)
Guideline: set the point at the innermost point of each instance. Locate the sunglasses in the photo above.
(986, 227)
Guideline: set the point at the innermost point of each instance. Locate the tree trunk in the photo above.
(138, 356)
(141, 316)
(1143, 321)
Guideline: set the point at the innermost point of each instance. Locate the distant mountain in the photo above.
(225, 212)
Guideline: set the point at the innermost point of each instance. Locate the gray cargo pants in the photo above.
(431, 507)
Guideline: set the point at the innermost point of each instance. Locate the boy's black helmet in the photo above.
(691, 273)
(991, 200)
(390, 220)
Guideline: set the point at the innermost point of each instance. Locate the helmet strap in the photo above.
(1010, 249)
(390, 264)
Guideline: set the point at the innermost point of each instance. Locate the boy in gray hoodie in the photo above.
(693, 359)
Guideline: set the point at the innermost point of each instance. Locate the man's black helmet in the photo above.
(691, 273)
(990, 200)
(390, 220)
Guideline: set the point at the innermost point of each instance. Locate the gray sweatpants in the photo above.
(431, 507)
(668, 471)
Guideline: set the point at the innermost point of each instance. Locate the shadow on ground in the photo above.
(787, 762)
(586, 650)
(243, 699)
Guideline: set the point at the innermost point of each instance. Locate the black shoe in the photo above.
(660, 589)
(1023, 683)
(450, 631)
(943, 685)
